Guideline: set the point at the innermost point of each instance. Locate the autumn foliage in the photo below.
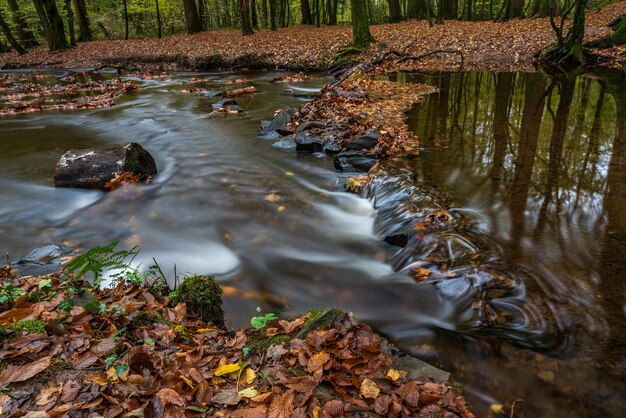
(130, 351)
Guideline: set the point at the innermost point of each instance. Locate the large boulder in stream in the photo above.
(93, 168)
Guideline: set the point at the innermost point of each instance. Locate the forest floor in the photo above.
(485, 45)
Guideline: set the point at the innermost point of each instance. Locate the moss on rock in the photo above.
(203, 297)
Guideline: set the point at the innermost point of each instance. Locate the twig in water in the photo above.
(515, 402)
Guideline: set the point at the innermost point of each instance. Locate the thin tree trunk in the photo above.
(264, 19)
(84, 31)
(70, 22)
(24, 34)
(272, 14)
(246, 27)
(159, 24)
(202, 13)
(125, 19)
(7, 33)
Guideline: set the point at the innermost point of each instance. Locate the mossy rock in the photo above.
(203, 297)
(327, 318)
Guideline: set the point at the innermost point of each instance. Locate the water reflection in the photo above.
(541, 162)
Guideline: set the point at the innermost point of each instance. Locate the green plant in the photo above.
(260, 322)
(98, 260)
(30, 325)
(9, 293)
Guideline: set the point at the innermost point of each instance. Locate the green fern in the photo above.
(98, 260)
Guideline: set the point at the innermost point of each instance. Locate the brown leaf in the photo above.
(170, 397)
(104, 347)
(411, 394)
(227, 397)
(21, 373)
(317, 361)
(282, 406)
(302, 384)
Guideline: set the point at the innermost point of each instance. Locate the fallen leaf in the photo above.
(369, 389)
(226, 369)
(21, 373)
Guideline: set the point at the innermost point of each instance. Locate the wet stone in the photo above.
(355, 161)
(363, 142)
(279, 123)
(225, 102)
(47, 254)
(332, 148)
(309, 143)
(285, 143)
(305, 126)
(93, 168)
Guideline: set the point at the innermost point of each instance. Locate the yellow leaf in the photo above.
(248, 392)
(207, 330)
(280, 208)
(188, 381)
(217, 380)
(369, 389)
(101, 380)
(249, 376)
(316, 412)
(496, 408)
(394, 374)
(226, 368)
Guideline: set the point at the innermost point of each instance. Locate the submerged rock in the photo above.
(355, 161)
(279, 123)
(225, 102)
(94, 168)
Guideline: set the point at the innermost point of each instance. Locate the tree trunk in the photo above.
(272, 14)
(253, 15)
(246, 27)
(7, 33)
(394, 11)
(202, 14)
(52, 24)
(70, 22)
(306, 12)
(568, 50)
(514, 9)
(159, 24)
(24, 34)
(84, 31)
(192, 18)
(264, 19)
(449, 8)
(361, 36)
(417, 9)
(125, 19)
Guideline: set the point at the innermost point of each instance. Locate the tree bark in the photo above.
(192, 18)
(306, 12)
(361, 35)
(416, 9)
(514, 9)
(394, 11)
(246, 27)
(84, 31)
(272, 14)
(70, 22)
(158, 15)
(24, 34)
(7, 33)
(125, 19)
(52, 24)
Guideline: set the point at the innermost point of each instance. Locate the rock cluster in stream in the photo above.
(352, 155)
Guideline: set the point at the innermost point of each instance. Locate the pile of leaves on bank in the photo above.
(363, 105)
(138, 350)
(34, 92)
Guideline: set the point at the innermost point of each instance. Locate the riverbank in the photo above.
(141, 349)
(485, 45)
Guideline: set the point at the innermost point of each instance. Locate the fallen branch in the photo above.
(439, 51)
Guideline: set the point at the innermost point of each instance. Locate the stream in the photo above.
(533, 167)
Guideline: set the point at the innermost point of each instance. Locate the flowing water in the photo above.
(530, 170)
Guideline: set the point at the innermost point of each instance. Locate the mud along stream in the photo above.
(277, 229)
